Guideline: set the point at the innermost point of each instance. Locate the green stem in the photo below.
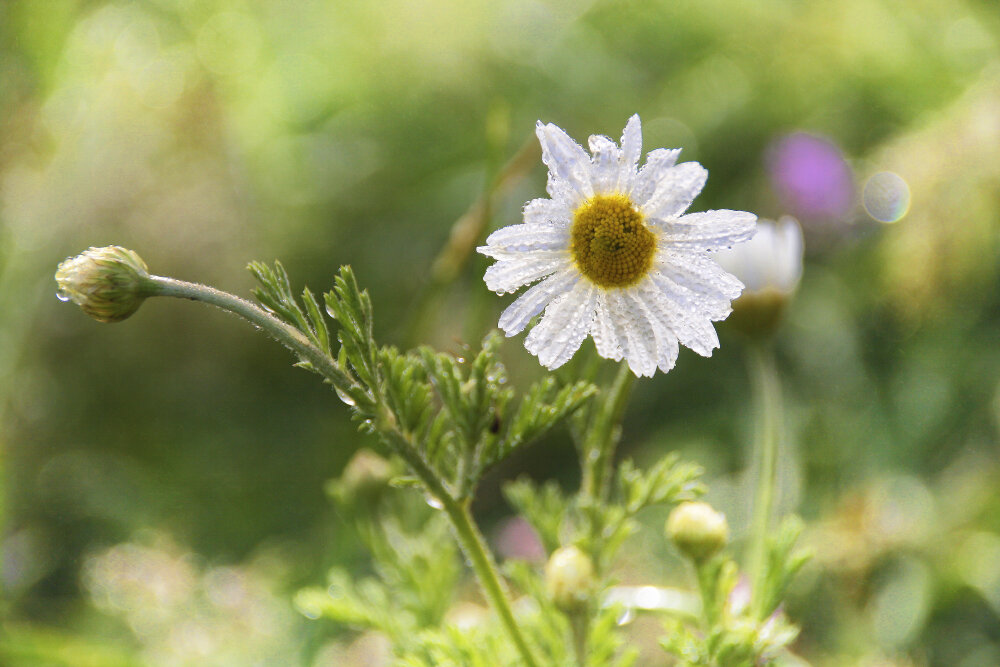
(707, 573)
(602, 438)
(474, 546)
(767, 399)
(282, 332)
(469, 537)
(580, 625)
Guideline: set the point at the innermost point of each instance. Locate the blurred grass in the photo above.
(205, 134)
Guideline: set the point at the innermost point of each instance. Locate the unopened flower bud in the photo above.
(109, 283)
(364, 478)
(698, 530)
(569, 578)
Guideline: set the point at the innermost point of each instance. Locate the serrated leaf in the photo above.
(667, 481)
(317, 321)
(540, 409)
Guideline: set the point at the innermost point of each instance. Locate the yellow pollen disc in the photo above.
(610, 242)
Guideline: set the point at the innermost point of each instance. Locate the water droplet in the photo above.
(62, 296)
(626, 616)
(435, 503)
(460, 360)
(343, 396)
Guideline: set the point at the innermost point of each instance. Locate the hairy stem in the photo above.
(767, 399)
(282, 332)
(602, 438)
(474, 546)
(385, 422)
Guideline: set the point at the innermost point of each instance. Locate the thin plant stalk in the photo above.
(468, 535)
(603, 433)
(768, 410)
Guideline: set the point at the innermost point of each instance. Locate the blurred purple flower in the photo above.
(811, 176)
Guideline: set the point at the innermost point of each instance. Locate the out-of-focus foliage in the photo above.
(204, 133)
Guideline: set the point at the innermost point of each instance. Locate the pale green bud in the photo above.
(698, 530)
(569, 578)
(364, 478)
(109, 283)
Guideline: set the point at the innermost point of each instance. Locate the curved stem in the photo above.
(767, 399)
(385, 422)
(282, 332)
(599, 446)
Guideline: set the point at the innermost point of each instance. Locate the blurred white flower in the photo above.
(614, 256)
(770, 265)
(772, 259)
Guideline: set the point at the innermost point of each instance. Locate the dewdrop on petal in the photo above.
(569, 578)
(614, 255)
(770, 265)
(698, 531)
(109, 283)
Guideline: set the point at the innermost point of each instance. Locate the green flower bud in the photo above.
(569, 578)
(698, 530)
(109, 283)
(364, 478)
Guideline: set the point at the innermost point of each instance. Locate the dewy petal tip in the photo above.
(613, 255)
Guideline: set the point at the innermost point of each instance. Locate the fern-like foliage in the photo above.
(461, 416)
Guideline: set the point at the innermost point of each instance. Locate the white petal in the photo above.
(704, 309)
(712, 306)
(606, 164)
(667, 346)
(568, 163)
(602, 330)
(787, 254)
(698, 280)
(547, 212)
(566, 323)
(508, 275)
(518, 314)
(525, 238)
(709, 230)
(692, 329)
(702, 268)
(631, 151)
(634, 333)
(675, 189)
(645, 181)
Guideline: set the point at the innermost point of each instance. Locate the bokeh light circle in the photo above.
(886, 196)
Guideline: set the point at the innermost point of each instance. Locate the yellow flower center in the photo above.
(611, 244)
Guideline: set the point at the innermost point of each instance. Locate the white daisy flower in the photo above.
(614, 256)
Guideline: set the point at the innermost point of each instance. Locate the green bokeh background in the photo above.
(203, 134)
